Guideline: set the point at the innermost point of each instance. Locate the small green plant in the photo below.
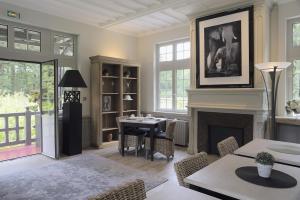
(265, 158)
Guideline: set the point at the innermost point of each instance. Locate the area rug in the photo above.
(79, 177)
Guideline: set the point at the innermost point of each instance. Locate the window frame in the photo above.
(27, 42)
(2, 24)
(292, 53)
(173, 65)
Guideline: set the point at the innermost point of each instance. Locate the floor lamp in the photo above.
(72, 112)
(274, 70)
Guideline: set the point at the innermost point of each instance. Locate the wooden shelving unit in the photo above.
(115, 91)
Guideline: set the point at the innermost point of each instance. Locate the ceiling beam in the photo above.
(151, 9)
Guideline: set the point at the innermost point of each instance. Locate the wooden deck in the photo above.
(12, 152)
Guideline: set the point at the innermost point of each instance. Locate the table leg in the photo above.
(122, 139)
(151, 142)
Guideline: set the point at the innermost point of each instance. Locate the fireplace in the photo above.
(214, 127)
(218, 133)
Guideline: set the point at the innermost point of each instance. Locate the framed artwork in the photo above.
(106, 107)
(225, 49)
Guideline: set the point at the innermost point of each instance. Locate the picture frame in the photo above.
(106, 106)
(225, 50)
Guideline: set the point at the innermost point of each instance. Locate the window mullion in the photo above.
(174, 89)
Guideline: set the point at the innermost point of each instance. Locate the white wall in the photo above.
(146, 54)
(285, 12)
(91, 41)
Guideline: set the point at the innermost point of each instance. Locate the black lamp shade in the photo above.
(72, 78)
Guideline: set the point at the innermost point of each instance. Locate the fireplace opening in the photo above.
(219, 133)
(214, 127)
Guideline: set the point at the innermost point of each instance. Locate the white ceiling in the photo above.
(134, 17)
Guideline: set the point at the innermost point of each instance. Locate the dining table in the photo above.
(220, 179)
(171, 190)
(150, 123)
(284, 152)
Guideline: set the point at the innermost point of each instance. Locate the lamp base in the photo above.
(72, 128)
(71, 96)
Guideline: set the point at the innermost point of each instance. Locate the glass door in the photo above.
(49, 109)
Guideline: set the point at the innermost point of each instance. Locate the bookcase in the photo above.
(115, 91)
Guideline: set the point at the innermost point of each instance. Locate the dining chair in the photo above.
(163, 141)
(134, 190)
(188, 166)
(227, 146)
(133, 138)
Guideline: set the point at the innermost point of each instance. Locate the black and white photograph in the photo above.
(223, 50)
(106, 104)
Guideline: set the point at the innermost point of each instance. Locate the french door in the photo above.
(49, 108)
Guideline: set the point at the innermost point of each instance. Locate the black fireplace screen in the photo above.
(219, 133)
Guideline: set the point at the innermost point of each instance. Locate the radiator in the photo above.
(181, 133)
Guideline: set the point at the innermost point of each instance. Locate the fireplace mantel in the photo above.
(230, 100)
(252, 99)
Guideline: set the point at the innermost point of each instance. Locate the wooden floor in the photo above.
(159, 166)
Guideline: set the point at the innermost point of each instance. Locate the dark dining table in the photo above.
(142, 122)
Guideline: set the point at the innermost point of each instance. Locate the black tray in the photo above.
(278, 179)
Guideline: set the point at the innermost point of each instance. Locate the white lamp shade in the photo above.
(269, 66)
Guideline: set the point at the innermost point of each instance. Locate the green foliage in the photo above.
(14, 103)
(265, 158)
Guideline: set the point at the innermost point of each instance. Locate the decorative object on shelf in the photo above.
(274, 69)
(128, 83)
(127, 74)
(106, 103)
(265, 162)
(293, 107)
(105, 72)
(72, 113)
(224, 49)
(128, 97)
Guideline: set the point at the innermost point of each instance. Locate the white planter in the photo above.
(264, 170)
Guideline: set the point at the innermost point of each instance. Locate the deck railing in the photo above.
(27, 138)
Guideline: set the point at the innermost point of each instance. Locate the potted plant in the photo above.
(265, 162)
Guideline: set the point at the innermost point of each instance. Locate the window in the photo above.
(3, 36)
(173, 76)
(166, 53)
(293, 55)
(63, 45)
(296, 34)
(183, 50)
(27, 40)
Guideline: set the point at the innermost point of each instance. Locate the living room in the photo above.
(149, 99)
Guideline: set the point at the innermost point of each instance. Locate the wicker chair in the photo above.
(227, 146)
(188, 166)
(130, 191)
(131, 139)
(163, 142)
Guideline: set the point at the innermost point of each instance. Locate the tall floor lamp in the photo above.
(274, 70)
(72, 112)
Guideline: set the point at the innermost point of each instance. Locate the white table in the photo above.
(141, 122)
(283, 152)
(220, 177)
(170, 190)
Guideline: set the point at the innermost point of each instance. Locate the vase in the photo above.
(264, 170)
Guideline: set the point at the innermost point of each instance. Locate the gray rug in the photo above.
(76, 178)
